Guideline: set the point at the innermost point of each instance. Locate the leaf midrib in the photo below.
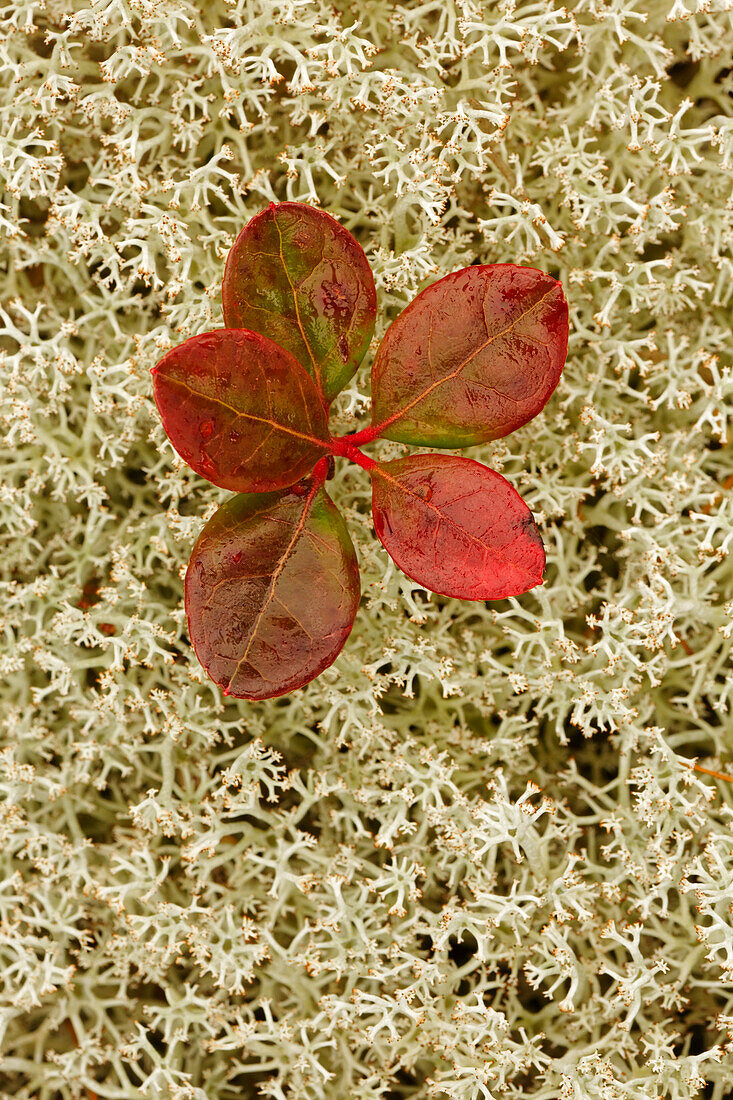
(270, 594)
(454, 374)
(380, 471)
(296, 304)
(273, 424)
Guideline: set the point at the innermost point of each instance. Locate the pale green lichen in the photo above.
(471, 859)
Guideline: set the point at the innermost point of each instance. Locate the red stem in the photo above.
(366, 435)
(320, 472)
(344, 448)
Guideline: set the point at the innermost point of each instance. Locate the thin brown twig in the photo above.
(92, 1095)
(709, 771)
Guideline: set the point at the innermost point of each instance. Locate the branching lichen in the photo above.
(472, 859)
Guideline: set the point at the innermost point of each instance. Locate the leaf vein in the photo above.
(239, 414)
(454, 374)
(275, 576)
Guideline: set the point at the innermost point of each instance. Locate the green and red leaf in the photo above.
(473, 357)
(272, 590)
(298, 277)
(240, 410)
(456, 527)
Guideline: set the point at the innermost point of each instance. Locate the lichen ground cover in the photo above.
(472, 859)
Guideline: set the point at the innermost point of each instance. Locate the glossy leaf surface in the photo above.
(456, 527)
(240, 410)
(475, 356)
(297, 276)
(272, 589)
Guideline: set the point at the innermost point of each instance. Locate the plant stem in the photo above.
(320, 472)
(344, 448)
(364, 436)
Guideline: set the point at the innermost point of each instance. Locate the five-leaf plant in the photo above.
(272, 587)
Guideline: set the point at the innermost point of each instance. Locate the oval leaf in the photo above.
(475, 356)
(272, 589)
(456, 527)
(297, 276)
(240, 410)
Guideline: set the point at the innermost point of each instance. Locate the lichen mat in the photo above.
(472, 858)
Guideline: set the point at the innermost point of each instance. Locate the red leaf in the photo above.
(456, 527)
(240, 410)
(475, 356)
(294, 274)
(272, 589)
